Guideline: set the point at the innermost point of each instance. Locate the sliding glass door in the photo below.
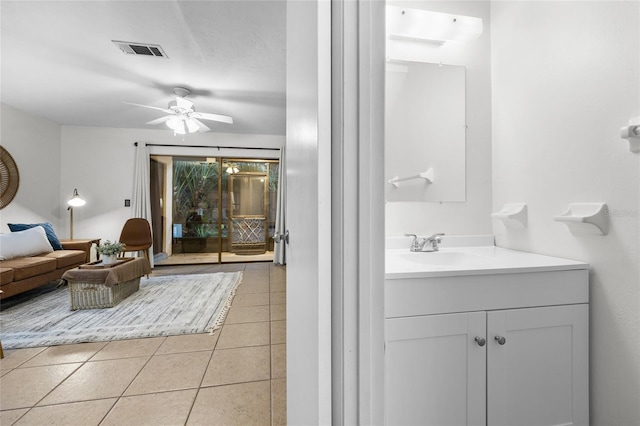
(222, 209)
(196, 198)
(248, 218)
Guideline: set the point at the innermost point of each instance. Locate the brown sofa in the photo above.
(25, 273)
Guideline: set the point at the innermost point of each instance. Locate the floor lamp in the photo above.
(74, 201)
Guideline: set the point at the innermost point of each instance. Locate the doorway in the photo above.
(217, 209)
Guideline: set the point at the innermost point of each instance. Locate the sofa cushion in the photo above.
(27, 267)
(48, 229)
(29, 242)
(66, 258)
(6, 275)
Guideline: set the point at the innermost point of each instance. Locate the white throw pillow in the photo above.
(29, 242)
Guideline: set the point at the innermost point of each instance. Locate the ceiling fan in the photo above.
(182, 116)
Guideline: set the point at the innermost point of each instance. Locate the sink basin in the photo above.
(445, 258)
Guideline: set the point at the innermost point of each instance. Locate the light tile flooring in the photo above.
(237, 376)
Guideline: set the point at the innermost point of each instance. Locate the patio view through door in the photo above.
(248, 213)
(218, 210)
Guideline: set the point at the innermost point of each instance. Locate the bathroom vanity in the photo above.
(480, 335)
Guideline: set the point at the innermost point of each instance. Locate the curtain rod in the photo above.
(207, 146)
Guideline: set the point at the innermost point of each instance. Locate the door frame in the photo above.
(358, 51)
(344, 384)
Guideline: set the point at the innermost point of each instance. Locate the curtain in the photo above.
(141, 202)
(280, 246)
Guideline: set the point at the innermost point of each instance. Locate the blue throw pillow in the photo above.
(48, 229)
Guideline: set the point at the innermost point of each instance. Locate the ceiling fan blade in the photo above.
(168, 111)
(202, 127)
(160, 120)
(213, 117)
(183, 103)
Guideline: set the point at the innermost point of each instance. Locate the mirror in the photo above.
(425, 129)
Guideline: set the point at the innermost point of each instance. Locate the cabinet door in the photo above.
(435, 372)
(540, 374)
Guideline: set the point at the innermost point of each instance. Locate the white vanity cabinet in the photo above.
(540, 374)
(435, 374)
(485, 350)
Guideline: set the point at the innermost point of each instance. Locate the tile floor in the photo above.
(237, 376)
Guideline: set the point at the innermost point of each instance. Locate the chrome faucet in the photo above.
(418, 244)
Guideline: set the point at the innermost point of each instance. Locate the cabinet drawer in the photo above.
(438, 295)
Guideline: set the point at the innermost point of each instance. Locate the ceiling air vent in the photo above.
(144, 49)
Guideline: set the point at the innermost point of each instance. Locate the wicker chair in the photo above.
(136, 236)
(248, 235)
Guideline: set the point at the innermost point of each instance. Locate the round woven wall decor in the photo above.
(9, 178)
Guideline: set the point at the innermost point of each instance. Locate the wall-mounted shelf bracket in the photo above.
(426, 175)
(632, 134)
(586, 218)
(513, 215)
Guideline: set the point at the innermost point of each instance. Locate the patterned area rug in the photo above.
(164, 306)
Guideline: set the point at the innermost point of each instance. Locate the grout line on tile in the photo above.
(109, 411)
(42, 349)
(195, 398)
(23, 414)
(134, 377)
(164, 338)
(72, 402)
(58, 385)
(236, 383)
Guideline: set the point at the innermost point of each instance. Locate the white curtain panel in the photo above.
(141, 205)
(280, 246)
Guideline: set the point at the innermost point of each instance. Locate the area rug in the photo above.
(164, 306)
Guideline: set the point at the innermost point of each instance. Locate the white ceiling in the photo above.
(58, 61)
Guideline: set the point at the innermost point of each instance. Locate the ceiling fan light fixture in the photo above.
(173, 123)
(182, 116)
(181, 92)
(180, 129)
(192, 126)
(177, 125)
(182, 125)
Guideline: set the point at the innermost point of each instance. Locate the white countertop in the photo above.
(454, 260)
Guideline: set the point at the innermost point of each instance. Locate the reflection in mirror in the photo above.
(425, 129)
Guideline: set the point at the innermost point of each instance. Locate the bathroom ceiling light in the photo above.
(431, 27)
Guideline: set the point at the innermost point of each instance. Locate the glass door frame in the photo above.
(268, 161)
(169, 199)
(265, 205)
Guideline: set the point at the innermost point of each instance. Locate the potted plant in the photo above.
(110, 251)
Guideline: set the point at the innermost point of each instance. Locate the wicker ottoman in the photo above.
(93, 287)
(91, 296)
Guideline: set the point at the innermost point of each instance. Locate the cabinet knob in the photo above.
(480, 341)
(501, 340)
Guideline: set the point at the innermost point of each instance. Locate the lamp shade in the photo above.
(191, 125)
(75, 200)
(180, 124)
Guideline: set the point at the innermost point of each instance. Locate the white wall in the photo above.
(566, 77)
(99, 162)
(34, 144)
(473, 215)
